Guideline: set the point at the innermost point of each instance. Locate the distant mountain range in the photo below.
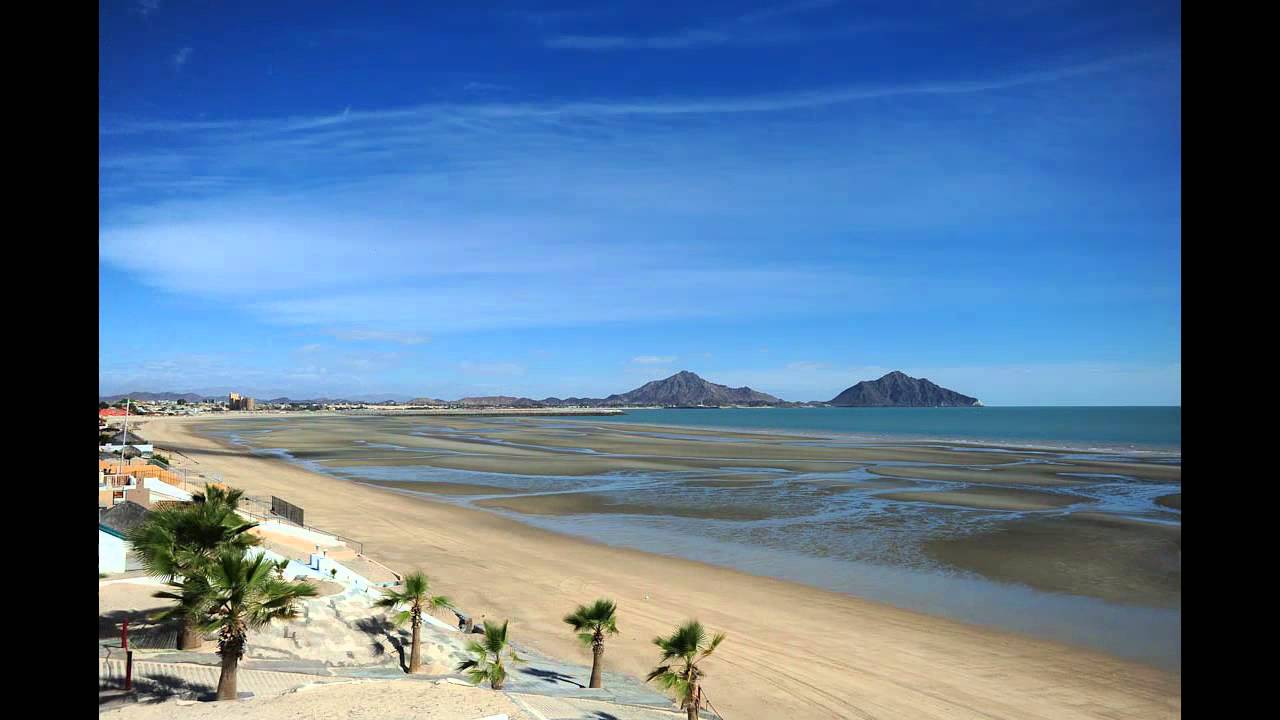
(684, 389)
(898, 389)
(151, 397)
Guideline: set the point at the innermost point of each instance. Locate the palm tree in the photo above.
(688, 645)
(487, 665)
(177, 543)
(218, 496)
(235, 594)
(592, 622)
(415, 596)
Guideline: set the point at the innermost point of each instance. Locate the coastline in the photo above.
(872, 660)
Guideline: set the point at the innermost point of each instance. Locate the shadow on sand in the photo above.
(381, 628)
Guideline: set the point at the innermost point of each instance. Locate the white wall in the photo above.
(311, 536)
(160, 487)
(112, 553)
(114, 448)
(294, 568)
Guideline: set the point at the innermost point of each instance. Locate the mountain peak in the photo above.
(687, 388)
(897, 389)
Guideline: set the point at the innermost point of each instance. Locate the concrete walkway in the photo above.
(198, 682)
(558, 708)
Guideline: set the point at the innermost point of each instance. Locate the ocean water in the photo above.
(1084, 428)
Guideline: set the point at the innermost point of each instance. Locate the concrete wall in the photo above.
(161, 490)
(141, 495)
(112, 553)
(312, 536)
(294, 570)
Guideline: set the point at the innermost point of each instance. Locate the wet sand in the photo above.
(991, 498)
(873, 660)
(595, 502)
(1105, 556)
(440, 488)
(1038, 474)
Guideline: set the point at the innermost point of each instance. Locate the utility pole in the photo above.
(125, 442)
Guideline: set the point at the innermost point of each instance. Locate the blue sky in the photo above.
(327, 198)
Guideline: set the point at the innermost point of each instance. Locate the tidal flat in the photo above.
(953, 524)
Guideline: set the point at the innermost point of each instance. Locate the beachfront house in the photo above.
(139, 482)
(135, 442)
(114, 552)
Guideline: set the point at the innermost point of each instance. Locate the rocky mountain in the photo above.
(686, 388)
(898, 389)
(151, 397)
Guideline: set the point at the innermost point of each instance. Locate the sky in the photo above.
(574, 198)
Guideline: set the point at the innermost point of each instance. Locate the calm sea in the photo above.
(1110, 428)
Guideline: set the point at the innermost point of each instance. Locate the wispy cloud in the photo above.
(654, 359)
(181, 58)
(451, 218)
(311, 132)
(146, 7)
(745, 29)
(369, 335)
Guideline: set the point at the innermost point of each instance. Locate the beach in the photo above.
(793, 650)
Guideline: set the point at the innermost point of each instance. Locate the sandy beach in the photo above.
(793, 651)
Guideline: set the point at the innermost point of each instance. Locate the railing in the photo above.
(117, 481)
(266, 514)
(194, 482)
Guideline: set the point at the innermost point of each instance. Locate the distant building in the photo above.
(235, 401)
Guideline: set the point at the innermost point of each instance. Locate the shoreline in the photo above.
(1079, 447)
(884, 661)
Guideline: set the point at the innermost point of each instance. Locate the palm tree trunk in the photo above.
(691, 709)
(190, 638)
(415, 654)
(597, 664)
(227, 680)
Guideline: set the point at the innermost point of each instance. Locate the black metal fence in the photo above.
(286, 510)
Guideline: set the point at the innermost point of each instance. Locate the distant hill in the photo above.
(686, 388)
(151, 397)
(503, 401)
(570, 402)
(898, 389)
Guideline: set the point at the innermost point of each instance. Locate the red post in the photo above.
(128, 656)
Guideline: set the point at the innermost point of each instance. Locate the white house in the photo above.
(114, 553)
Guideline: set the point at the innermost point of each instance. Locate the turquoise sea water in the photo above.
(1111, 428)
